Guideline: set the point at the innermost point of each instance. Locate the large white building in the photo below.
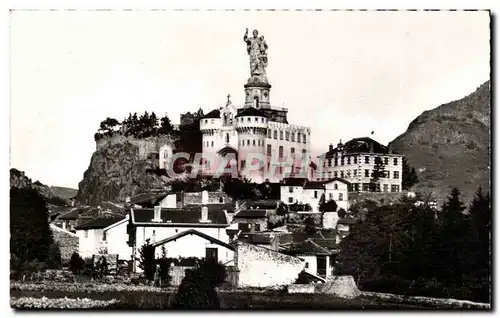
(354, 161)
(256, 132)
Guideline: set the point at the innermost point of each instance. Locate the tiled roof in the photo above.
(250, 111)
(213, 114)
(99, 223)
(251, 214)
(189, 214)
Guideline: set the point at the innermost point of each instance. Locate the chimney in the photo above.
(330, 148)
(204, 214)
(204, 197)
(237, 205)
(99, 211)
(157, 214)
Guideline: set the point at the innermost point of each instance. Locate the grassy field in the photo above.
(133, 300)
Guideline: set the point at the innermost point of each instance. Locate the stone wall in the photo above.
(146, 145)
(340, 286)
(67, 242)
(262, 267)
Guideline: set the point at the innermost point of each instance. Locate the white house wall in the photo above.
(116, 240)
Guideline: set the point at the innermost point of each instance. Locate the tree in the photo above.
(409, 177)
(310, 226)
(197, 289)
(165, 125)
(329, 206)
(147, 260)
(30, 234)
(378, 172)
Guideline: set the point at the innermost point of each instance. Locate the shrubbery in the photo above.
(197, 290)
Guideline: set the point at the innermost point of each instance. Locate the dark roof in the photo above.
(99, 223)
(71, 214)
(250, 111)
(294, 182)
(315, 185)
(256, 238)
(189, 214)
(213, 114)
(264, 204)
(360, 145)
(252, 214)
(149, 199)
(212, 240)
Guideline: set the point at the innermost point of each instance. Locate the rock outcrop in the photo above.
(119, 169)
(450, 146)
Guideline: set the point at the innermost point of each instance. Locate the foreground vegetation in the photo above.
(412, 249)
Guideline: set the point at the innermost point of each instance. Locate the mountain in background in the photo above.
(58, 196)
(450, 146)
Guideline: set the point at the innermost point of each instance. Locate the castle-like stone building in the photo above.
(256, 130)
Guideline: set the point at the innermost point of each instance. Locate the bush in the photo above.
(76, 263)
(197, 289)
(163, 272)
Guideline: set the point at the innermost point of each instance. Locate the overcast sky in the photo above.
(344, 74)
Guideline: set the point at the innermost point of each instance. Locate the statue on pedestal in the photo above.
(257, 51)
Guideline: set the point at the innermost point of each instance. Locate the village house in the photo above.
(169, 227)
(305, 192)
(105, 235)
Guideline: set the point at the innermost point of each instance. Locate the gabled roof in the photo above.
(99, 223)
(212, 240)
(250, 111)
(252, 214)
(187, 215)
(213, 114)
(71, 214)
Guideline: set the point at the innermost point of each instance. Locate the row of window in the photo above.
(347, 160)
(385, 187)
(288, 136)
(367, 174)
(242, 119)
(281, 151)
(316, 196)
(258, 143)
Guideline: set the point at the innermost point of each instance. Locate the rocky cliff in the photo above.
(450, 145)
(119, 169)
